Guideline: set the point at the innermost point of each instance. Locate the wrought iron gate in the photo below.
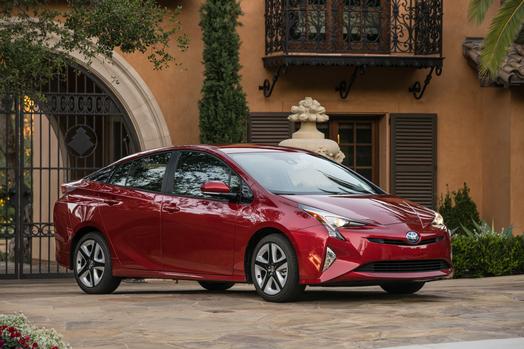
(79, 128)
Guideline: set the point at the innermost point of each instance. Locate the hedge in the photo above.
(488, 255)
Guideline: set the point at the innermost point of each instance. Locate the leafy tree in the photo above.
(504, 29)
(459, 210)
(37, 35)
(223, 108)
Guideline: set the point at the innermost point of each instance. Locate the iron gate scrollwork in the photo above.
(78, 128)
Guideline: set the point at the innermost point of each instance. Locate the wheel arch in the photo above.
(81, 232)
(253, 241)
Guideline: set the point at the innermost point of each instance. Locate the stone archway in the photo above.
(135, 96)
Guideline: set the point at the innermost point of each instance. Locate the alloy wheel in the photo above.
(90, 263)
(271, 268)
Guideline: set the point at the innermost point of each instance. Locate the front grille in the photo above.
(404, 266)
(404, 242)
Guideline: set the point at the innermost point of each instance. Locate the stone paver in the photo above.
(509, 343)
(163, 314)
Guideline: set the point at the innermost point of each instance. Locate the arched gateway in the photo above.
(81, 126)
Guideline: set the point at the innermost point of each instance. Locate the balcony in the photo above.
(355, 33)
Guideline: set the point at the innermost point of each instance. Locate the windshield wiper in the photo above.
(348, 185)
(343, 192)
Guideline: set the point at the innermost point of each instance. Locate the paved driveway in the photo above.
(162, 314)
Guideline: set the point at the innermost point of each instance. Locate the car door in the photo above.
(130, 211)
(198, 231)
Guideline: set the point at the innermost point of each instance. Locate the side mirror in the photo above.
(218, 189)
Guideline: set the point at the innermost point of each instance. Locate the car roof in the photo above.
(224, 148)
(255, 148)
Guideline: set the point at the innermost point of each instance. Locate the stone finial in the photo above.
(309, 112)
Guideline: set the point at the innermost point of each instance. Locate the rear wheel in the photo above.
(92, 265)
(216, 286)
(402, 287)
(274, 268)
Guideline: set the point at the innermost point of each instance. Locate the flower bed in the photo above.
(17, 333)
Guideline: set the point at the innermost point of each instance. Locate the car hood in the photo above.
(374, 209)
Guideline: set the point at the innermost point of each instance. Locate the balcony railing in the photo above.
(354, 27)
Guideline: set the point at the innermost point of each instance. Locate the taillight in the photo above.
(66, 188)
(69, 187)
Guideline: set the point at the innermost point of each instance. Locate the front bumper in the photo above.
(364, 248)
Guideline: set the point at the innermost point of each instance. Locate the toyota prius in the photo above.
(278, 218)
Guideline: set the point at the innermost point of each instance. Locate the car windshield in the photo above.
(290, 173)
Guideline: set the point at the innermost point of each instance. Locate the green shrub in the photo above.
(16, 332)
(223, 107)
(459, 209)
(482, 251)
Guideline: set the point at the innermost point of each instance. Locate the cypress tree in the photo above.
(223, 107)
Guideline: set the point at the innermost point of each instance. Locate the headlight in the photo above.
(438, 222)
(331, 221)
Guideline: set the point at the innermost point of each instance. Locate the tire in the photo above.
(276, 276)
(402, 287)
(216, 286)
(92, 265)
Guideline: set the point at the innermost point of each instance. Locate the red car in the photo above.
(280, 218)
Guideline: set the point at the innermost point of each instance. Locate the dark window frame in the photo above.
(305, 14)
(373, 121)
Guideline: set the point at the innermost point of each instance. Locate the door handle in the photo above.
(171, 208)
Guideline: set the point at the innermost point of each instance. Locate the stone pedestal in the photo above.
(308, 112)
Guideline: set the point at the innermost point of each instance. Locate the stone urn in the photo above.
(308, 112)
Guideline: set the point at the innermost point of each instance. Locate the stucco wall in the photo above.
(495, 138)
(516, 154)
(474, 123)
(177, 89)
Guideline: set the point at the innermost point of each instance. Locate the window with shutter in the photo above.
(269, 128)
(357, 137)
(413, 157)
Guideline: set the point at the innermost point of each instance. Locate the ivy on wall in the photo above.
(223, 107)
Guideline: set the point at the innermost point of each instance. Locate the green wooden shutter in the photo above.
(269, 128)
(414, 157)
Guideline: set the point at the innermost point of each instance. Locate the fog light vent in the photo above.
(330, 258)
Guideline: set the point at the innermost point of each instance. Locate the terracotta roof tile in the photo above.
(512, 71)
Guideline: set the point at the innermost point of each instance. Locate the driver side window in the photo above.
(196, 168)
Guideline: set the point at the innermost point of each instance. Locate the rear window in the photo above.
(120, 174)
(101, 175)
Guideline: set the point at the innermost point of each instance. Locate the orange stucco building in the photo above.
(459, 129)
(479, 130)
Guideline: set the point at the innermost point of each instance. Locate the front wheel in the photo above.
(274, 268)
(92, 265)
(402, 287)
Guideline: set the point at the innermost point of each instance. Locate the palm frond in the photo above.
(477, 10)
(502, 32)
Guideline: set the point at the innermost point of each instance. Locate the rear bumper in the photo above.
(354, 255)
(62, 234)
